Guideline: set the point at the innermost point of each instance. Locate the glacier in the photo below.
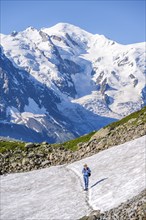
(64, 74)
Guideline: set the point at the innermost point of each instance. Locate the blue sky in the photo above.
(122, 21)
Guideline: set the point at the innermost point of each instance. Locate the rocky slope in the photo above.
(19, 157)
(62, 82)
(133, 209)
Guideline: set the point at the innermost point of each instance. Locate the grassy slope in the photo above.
(72, 144)
(11, 146)
(134, 115)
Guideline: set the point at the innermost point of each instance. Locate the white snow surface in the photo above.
(57, 192)
(122, 66)
(96, 79)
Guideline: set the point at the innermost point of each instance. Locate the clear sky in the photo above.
(122, 21)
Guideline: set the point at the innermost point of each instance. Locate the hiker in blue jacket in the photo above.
(86, 173)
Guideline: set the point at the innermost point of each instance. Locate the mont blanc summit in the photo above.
(61, 82)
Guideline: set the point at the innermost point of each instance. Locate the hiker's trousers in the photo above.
(86, 181)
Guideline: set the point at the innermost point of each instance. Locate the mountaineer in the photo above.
(86, 173)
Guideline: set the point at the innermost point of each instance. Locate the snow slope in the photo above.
(57, 192)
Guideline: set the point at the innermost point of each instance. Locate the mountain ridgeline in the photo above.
(62, 82)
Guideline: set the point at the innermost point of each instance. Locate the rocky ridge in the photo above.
(32, 156)
(133, 209)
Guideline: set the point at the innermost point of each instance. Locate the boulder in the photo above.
(31, 155)
(44, 143)
(46, 162)
(94, 215)
(50, 156)
(29, 145)
(80, 144)
(39, 155)
(14, 165)
(25, 161)
(101, 133)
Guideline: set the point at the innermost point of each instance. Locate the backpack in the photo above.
(89, 173)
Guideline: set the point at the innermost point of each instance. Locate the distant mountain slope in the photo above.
(17, 157)
(62, 82)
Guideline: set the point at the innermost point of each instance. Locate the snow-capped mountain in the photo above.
(61, 82)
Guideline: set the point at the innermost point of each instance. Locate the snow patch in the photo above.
(118, 174)
(33, 107)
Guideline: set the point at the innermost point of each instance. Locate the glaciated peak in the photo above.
(30, 28)
(103, 41)
(72, 34)
(66, 28)
(63, 26)
(31, 33)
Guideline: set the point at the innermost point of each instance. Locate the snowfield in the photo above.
(57, 192)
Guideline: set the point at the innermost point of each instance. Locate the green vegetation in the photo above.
(16, 156)
(72, 144)
(134, 119)
(11, 146)
(136, 115)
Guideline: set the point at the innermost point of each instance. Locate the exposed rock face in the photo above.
(36, 107)
(62, 82)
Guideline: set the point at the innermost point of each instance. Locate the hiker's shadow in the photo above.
(99, 181)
